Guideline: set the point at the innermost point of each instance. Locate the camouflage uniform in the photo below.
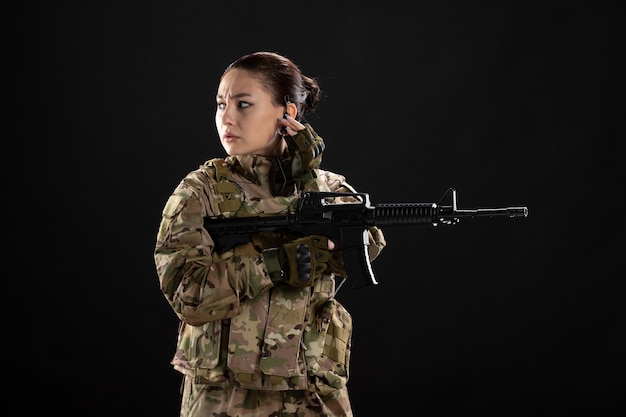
(246, 346)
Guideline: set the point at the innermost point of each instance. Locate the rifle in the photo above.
(347, 224)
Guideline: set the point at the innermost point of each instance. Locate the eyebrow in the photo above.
(239, 95)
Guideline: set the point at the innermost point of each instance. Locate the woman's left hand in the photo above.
(289, 125)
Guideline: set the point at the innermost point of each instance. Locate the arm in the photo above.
(200, 285)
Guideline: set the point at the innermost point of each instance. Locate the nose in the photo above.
(227, 115)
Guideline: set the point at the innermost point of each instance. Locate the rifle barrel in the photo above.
(492, 212)
(429, 214)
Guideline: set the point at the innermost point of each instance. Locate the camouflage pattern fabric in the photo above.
(205, 400)
(244, 340)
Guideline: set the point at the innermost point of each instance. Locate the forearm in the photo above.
(203, 289)
(201, 285)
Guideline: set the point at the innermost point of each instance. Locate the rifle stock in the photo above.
(347, 224)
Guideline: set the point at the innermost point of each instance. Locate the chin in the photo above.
(231, 150)
(234, 152)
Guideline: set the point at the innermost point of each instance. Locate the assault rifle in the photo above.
(347, 223)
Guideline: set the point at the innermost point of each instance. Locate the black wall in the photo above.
(511, 103)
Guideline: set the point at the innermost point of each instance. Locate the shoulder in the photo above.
(196, 188)
(204, 175)
(211, 167)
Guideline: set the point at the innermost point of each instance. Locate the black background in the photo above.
(512, 103)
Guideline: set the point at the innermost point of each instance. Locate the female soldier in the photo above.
(261, 332)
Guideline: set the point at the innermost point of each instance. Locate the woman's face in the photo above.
(246, 118)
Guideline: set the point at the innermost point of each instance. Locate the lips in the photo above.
(229, 137)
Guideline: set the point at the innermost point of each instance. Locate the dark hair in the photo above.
(282, 79)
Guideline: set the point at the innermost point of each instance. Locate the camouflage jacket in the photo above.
(237, 327)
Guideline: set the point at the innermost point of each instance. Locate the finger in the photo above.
(292, 123)
(331, 245)
(291, 131)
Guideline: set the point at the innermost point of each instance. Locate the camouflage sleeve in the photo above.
(330, 181)
(199, 285)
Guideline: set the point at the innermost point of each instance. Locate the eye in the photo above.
(221, 105)
(244, 104)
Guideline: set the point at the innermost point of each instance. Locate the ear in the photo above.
(291, 109)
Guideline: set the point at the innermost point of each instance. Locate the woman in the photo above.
(261, 332)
